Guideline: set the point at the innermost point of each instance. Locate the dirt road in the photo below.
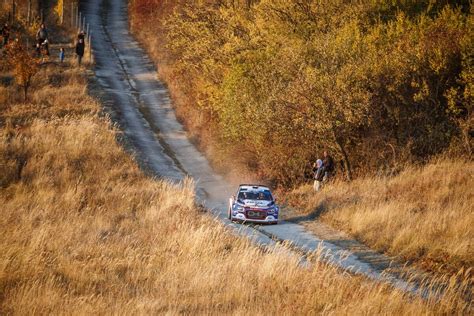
(144, 112)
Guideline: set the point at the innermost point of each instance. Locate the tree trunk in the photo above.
(62, 12)
(72, 14)
(13, 11)
(40, 10)
(28, 15)
(345, 157)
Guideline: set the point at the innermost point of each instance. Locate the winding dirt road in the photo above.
(143, 109)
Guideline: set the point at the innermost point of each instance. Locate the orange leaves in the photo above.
(23, 64)
(144, 8)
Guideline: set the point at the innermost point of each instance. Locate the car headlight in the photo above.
(272, 210)
(239, 208)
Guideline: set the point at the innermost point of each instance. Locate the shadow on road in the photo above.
(318, 211)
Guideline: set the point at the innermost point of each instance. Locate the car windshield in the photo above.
(256, 195)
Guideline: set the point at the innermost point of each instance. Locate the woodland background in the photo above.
(270, 84)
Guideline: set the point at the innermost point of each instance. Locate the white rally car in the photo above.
(253, 203)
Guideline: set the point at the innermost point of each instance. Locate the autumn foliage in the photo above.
(273, 83)
(24, 65)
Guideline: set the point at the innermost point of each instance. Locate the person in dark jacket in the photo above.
(328, 163)
(318, 171)
(5, 32)
(42, 38)
(81, 36)
(80, 47)
(42, 33)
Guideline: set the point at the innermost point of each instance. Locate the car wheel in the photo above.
(229, 214)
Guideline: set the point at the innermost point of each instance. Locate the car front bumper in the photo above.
(242, 218)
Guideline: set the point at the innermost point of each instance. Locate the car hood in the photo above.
(254, 203)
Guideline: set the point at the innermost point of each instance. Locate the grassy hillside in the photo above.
(83, 230)
(423, 214)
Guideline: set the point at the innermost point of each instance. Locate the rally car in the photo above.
(253, 203)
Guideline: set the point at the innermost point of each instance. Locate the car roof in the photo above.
(253, 187)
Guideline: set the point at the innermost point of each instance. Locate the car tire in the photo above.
(229, 214)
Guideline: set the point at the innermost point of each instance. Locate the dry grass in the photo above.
(84, 231)
(423, 214)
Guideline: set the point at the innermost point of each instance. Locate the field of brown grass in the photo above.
(424, 214)
(83, 230)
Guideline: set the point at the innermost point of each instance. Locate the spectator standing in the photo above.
(5, 32)
(61, 55)
(81, 35)
(328, 164)
(42, 38)
(318, 171)
(80, 47)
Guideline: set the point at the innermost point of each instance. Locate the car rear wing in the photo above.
(253, 185)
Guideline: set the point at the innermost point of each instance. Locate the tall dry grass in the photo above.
(424, 214)
(84, 231)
